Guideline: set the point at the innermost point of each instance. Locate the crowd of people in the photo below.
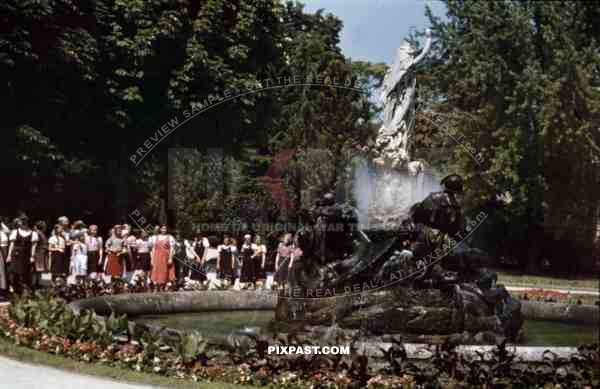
(74, 252)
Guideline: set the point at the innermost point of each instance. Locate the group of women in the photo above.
(244, 264)
(145, 257)
(77, 251)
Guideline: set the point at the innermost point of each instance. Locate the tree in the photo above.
(88, 83)
(516, 78)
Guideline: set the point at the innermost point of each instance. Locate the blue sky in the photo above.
(373, 29)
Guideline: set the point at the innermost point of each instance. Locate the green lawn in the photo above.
(10, 350)
(514, 279)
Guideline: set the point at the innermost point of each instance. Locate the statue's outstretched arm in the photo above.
(426, 49)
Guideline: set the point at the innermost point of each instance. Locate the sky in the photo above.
(373, 29)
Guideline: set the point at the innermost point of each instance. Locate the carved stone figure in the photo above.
(394, 138)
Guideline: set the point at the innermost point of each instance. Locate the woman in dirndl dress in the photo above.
(59, 266)
(94, 246)
(128, 257)
(248, 264)
(21, 250)
(40, 264)
(282, 260)
(199, 246)
(296, 263)
(65, 225)
(115, 250)
(259, 256)
(163, 269)
(143, 247)
(226, 262)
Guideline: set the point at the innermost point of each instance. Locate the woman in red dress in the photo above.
(163, 270)
(114, 250)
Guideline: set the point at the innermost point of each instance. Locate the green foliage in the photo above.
(150, 341)
(53, 317)
(116, 324)
(516, 79)
(191, 346)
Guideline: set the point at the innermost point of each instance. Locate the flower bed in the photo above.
(551, 296)
(46, 323)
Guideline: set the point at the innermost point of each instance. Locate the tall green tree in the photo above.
(517, 79)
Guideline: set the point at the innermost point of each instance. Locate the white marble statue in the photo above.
(398, 94)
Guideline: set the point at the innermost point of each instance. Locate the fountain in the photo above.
(398, 266)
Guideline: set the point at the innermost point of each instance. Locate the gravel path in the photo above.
(19, 375)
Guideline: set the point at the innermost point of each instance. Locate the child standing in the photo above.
(79, 259)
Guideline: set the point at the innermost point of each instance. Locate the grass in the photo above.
(24, 354)
(513, 279)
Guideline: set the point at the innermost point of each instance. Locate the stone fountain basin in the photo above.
(566, 313)
(206, 301)
(214, 301)
(138, 304)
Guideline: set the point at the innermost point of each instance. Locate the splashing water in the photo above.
(385, 195)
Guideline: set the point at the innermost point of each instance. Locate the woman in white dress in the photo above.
(210, 258)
